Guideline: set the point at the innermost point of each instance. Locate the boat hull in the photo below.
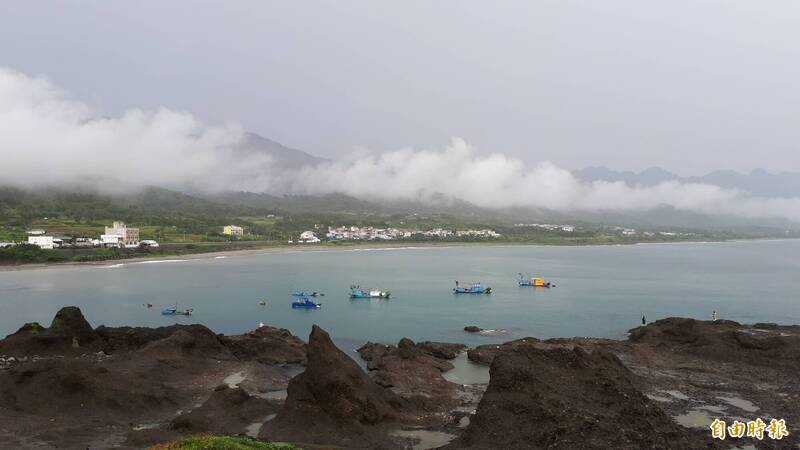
(306, 303)
(472, 291)
(371, 294)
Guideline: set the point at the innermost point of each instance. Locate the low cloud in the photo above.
(48, 138)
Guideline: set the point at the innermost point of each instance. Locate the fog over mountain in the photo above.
(758, 182)
(48, 138)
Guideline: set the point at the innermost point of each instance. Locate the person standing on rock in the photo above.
(644, 321)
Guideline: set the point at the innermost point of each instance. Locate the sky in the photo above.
(49, 138)
(690, 86)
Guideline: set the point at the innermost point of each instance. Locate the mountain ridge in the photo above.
(758, 182)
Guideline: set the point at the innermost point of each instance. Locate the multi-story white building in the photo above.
(129, 237)
(45, 242)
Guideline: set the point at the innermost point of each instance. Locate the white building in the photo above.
(111, 240)
(129, 237)
(308, 237)
(36, 233)
(45, 242)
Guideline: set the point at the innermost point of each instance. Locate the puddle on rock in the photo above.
(253, 429)
(658, 398)
(677, 394)
(713, 408)
(694, 418)
(274, 395)
(466, 371)
(740, 403)
(234, 379)
(424, 439)
(145, 426)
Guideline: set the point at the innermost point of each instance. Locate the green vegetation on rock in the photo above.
(221, 443)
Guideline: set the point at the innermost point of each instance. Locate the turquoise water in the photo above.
(601, 291)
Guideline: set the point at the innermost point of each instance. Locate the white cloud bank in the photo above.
(50, 139)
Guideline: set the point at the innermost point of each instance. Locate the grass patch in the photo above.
(221, 443)
(27, 253)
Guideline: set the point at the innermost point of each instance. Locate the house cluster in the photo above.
(390, 234)
(633, 232)
(548, 226)
(365, 233)
(118, 235)
(626, 231)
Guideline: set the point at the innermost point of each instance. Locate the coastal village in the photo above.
(118, 235)
(121, 236)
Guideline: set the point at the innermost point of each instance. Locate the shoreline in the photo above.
(675, 372)
(344, 248)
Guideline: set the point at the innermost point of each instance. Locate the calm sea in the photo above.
(601, 291)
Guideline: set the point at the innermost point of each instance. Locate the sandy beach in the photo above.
(228, 253)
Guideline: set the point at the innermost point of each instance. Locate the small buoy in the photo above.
(262, 303)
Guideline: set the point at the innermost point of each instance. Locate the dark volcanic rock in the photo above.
(268, 345)
(69, 332)
(333, 402)
(81, 387)
(473, 329)
(568, 399)
(371, 351)
(122, 339)
(195, 342)
(443, 350)
(724, 340)
(414, 373)
(228, 411)
(484, 354)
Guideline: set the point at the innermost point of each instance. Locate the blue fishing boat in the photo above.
(357, 292)
(533, 281)
(306, 294)
(305, 302)
(473, 288)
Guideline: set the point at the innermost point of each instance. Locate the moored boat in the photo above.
(305, 302)
(473, 288)
(358, 292)
(306, 294)
(173, 311)
(534, 281)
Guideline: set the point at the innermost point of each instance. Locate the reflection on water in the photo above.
(740, 403)
(425, 439)
(694, 418)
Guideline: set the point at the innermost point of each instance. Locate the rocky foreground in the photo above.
(73, 386)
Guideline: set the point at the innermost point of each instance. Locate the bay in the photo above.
(600, 291)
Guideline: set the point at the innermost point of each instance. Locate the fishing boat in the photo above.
(173, 311)
(306, 294)
(357, 292)
(473, 288)
(305, 302)
(534, 281)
